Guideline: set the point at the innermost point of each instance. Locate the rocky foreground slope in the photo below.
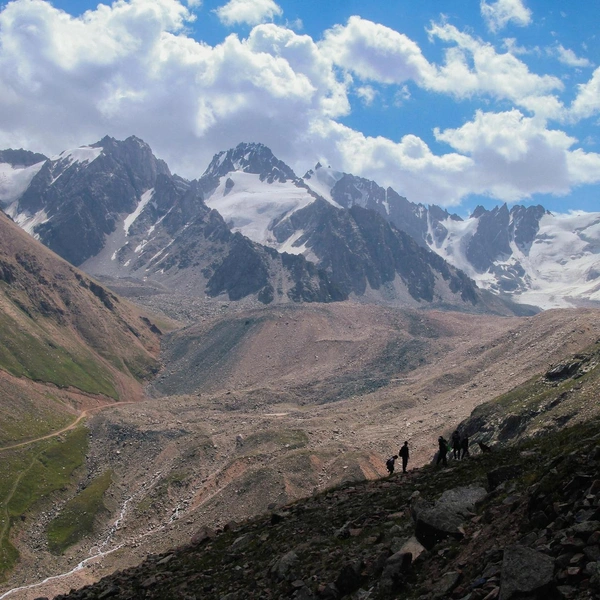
(518, 522)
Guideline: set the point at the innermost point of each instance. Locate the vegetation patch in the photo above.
(76, 519)
(50, 470)
(31, 473)
(142, 367)
(25, 355)
(21, 425)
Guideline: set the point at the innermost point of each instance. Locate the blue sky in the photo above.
(456, 104)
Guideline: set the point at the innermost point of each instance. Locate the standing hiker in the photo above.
(390, 463)
(404, 455)
(456, 444)
(464, 444)
(443, 449)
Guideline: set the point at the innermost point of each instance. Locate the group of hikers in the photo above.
(458, 446)
(403, 454)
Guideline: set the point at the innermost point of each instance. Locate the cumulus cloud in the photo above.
(567, 57)
(409, 166)
(587, 102)
(516, 156)
(250, 12)
(475, 67)
(471, 67)
(498, 14)
(131, 68)
(367, 94)
(375, 52)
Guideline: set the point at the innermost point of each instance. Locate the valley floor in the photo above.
(267, 423)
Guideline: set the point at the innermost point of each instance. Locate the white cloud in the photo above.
(402, 96)
(367, 94)
(475, 67)
(498, 14)
(409, 166)
(471, 67)
(130, 68)
(587, 102)
(515, 156)
(567, 57)
(250, 12)
(375, 52)
(513, 47)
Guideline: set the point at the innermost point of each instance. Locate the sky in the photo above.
(450, 103)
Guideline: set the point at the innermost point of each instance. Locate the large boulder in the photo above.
(524, 571)
(434, 522)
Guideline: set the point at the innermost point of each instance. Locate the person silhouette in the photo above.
(443, 450)
(404, 455)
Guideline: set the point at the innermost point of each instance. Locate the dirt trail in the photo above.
(82, 415)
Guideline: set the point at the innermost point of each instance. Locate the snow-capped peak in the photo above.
(250, 158)
(79, 155)
(321, 180)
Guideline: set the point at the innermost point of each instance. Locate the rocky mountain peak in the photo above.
(525, 223)
(250, 158)
(20, 157)
(311, 172)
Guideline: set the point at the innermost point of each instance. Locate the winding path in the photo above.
(82, 415)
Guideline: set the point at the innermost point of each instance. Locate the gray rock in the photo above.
(444, 518)
(284, 567)
(523, 571)
(349, 578)
(241, 542)
(586, 528)
(396, 566)
(593, 570)
(446, 584)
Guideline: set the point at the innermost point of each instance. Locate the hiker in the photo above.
(464, 445)
(390, 463)
(456, 444)
(443, 449)
(404, 455)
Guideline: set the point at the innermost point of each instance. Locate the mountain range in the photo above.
(249, 227)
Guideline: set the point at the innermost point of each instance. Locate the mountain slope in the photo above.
(516, 523)
(68, 347)
(61, 329)
(273, 405)
(116, 210)
(363, 255)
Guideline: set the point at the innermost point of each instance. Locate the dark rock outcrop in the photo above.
(434, 522)
(525, 571)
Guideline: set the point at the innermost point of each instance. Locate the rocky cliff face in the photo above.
(361, 251)
(21, 158)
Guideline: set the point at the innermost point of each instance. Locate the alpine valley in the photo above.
(203, 363)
